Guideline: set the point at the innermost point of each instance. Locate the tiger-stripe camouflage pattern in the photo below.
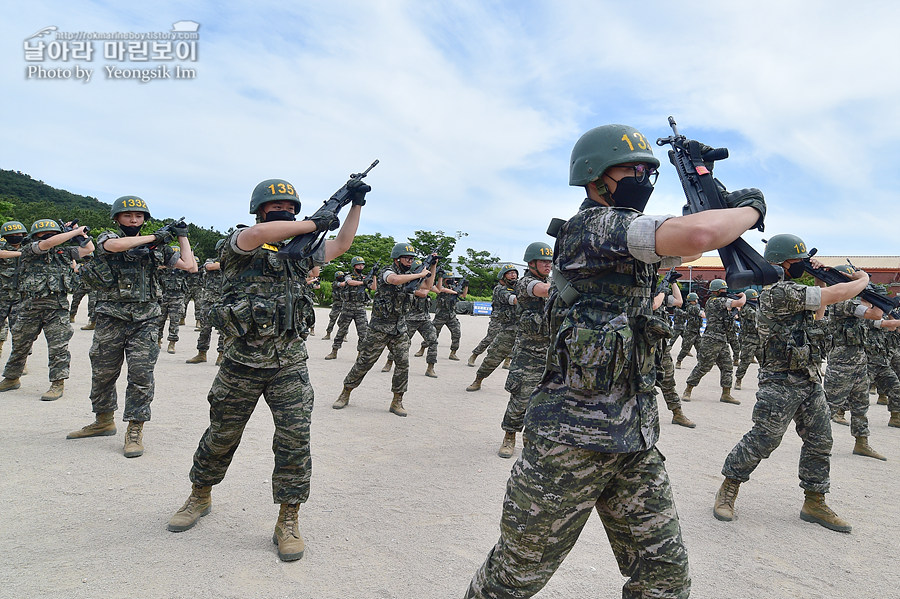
(714, 348)
(749, 339)
(398, 348)
(690, 338)
(494, 327)
(846, 380)
(880, 369)
(445, 315)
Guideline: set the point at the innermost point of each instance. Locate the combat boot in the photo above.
(838, 417)
(171, 348)
(727, 398)
(421, 352)
(397, 405)
(724, 507)
(197, 505)
(134, 437)
(452, 356)
(181, 322)
(287, 536)
(472, 359)
(429, 372)
(686, 396)
(872, 389)
(159, 343)
(506, 363)
(54, 392)
(737, 383)
(327, 336)
(863, 448)
(508, 447)
(679, 418)
(332, 355)
(343, 399)
(678, 365)
(736, 363)
(476, 385)
(102, 426)
(8, 384)
(387, 366)
(71, 318)
(89, 326)
(219, 359)
(895, 420)
(882, 400)
(814, 510)
(200, 357)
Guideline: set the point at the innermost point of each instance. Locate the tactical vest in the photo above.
(446, 303)
(46, 275)
(9, 275)
(531, 314)
(355, 295)
(793, 344)
(264, 298)
(173, 282)
(848, 331)
(212, 282)
(118, 277)
(390, 301)
(718, 318)
(501, 309)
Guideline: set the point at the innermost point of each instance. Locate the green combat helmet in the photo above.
(718, 285)
(129, 204)
(845, 269)
(538, 251)
(693, 297)
(219, 244)
(45, 224)
(13, 227)
(505, 269)
(271, 190)
(751, 294)
(784, 247)
(606, 146)
(356, 260)
(339, 276)
(402, 249)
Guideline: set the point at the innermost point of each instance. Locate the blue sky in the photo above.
(472, 109)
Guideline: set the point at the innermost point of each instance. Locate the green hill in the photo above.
(19, 188)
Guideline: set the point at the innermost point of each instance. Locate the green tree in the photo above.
(479, 267)
(372, 248)
(426, 242)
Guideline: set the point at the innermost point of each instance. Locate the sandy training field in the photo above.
(400, 507)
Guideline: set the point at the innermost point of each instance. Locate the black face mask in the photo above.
(274, 215)
(795, 270)
(130, 231)
(14, 239)
(402, 268)
(631, 194)
(359, 268)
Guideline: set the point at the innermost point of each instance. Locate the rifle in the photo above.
(304, 246)
(367, 280)
(79, 239)
(143, 250)
(463, 283)
(667, 280)
(829, 276)
(743, 265)
(430, 259)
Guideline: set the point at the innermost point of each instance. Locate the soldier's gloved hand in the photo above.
(748, 197)
(358, 191)
(180, 231)
(163, 236)
(325, 221)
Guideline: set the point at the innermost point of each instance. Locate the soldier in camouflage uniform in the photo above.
(44, 277)
(13, 233)
(734, 335)
(418, 320)
(749, 336)
(792, 339)
(445, 309)
(193, 293)
(79, 290)
(174, 289)
(693, 316)
(679, 317)
(354, 308)
(503, 312)
(123, 276)
(337, 302)
(893, 345)
(388, 327)
(210, 299)
(592, 422)
(532, 342)
(878, 358)
(265, 314)
(494, 326)
(714, 347)
(665, 368)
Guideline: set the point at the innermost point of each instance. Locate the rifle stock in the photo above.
(829, 276)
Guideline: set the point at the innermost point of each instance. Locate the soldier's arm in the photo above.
(694, 234)
(10, 254)
(341, 243)
(186, 261)
(123, 244)
(677, 300)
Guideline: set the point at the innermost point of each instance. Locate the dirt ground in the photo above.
(400, 507)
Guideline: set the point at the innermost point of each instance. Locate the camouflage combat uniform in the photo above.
(503, 313)
(265, 313)
(337, 304)
(174, 289)
(127, 326)
(79, 290)
(691, 336)
(210, 299)
(679, 317)
(193, 293)
(387, 328)
(529, 353)
(9, 290)
(44, 279)
(494, 327)
(592, 423)
(790, 387)
(714, 347)
(846, 381)
(419, 320)
(354, 309)
(665, 368)
(445, 315)
(749, 338)
(735, 335)
(878, 360)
